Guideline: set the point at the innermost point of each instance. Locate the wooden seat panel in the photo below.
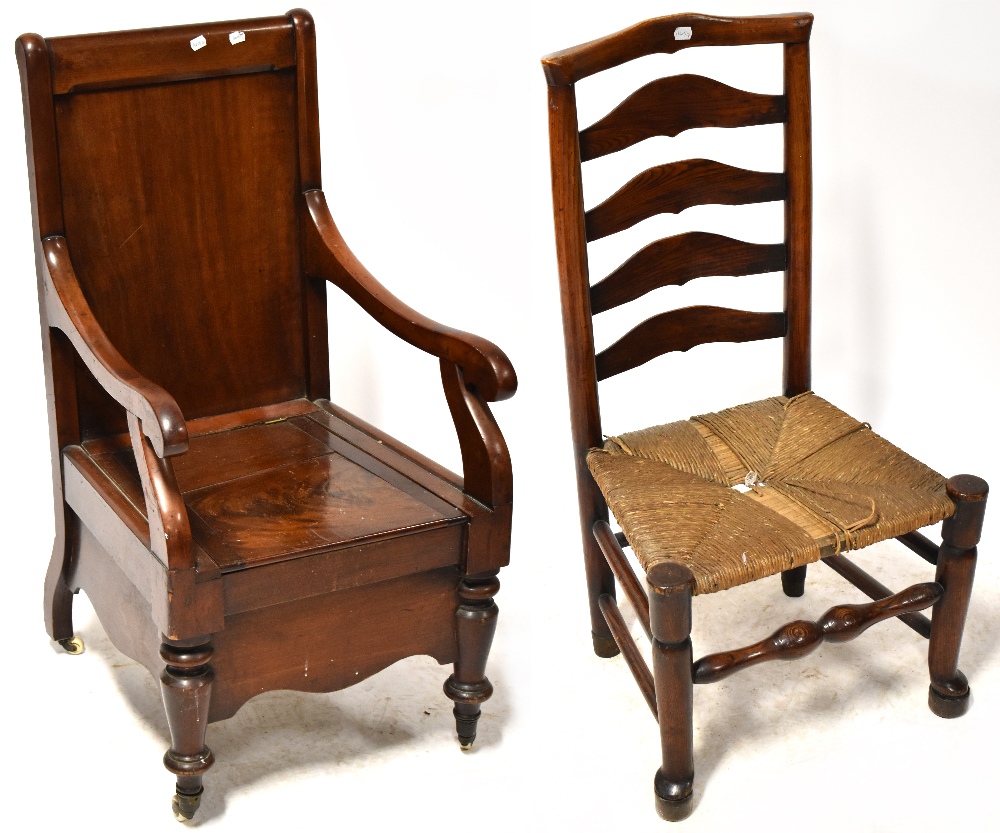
(277, 489)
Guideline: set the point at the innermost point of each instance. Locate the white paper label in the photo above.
(198, 42)
(237, 37)
(682, 33)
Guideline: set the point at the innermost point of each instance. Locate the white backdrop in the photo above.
(433, 123)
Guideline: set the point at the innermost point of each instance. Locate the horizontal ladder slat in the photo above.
(682, 329)
(670, 188)
(669, 106)
(673, 261)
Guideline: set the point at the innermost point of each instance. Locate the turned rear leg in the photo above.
(476, 623)
(949, 690)
(58, 598)
(670, 586)
(186, 686)
(793, 581)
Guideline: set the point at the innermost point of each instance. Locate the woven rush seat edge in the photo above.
(813, 481)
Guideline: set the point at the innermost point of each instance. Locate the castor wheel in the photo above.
(466, 746)
(73, 645)
(185, 806)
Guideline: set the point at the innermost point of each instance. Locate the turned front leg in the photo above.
(670, 587)
(949, 690)
(476, 622)
(186, 685)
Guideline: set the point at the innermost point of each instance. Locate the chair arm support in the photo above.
(67, 309)
(486, 465)
(326, 255)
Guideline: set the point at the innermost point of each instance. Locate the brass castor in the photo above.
(185, 806)
(73, 645)
(466, 746)
(947, 707)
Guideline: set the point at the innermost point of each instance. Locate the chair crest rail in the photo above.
(661, 34)
(675, 186)
(81, 62)
(669, 106)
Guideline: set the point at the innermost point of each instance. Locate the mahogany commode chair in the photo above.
(235, 530)
(814, 483)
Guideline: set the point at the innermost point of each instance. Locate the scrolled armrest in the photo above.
(67, 309)
(327, 256)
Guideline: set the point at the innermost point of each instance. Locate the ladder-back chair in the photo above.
(814, 482)
(235, 530)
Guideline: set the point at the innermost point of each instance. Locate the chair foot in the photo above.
(475, 622)
(73, 645)
(670, 587)
(605, 646)
(185, 806)
(947, 707)
(58, 594)
(956, 568)
(674, 801)
(793, 581)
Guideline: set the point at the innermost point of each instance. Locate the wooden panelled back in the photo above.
(666, 107)
(179, 174)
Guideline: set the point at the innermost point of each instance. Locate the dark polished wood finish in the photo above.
(682, 329)
(581, 371)
(186, 684)
(949, 690)
(673, 261)
(921, 545)
(793, 582)
(235, 530)
(659, 35)
(629, 650)
(476, 623)
(667, 107)
(670, 188)
(874, 589)
(797, 639)
(612, 551)
(670, 587)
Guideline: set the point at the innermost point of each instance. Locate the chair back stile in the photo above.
(184, 212)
